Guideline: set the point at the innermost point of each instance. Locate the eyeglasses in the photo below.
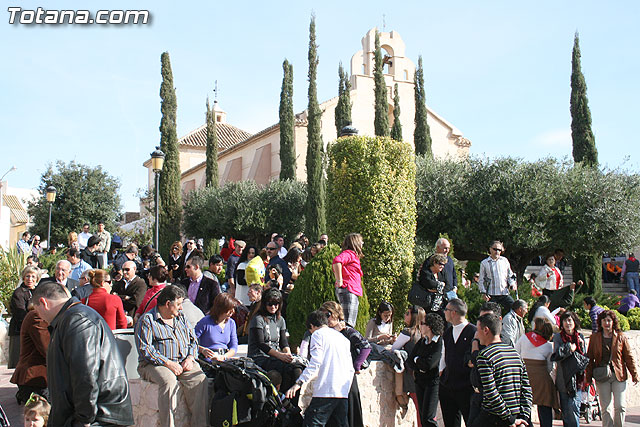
(442, 264)
(191, 243)
(126, 269)
(497, 249)
(271, 249)
(449, 309)
(273, 303)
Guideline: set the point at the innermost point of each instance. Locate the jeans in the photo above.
(633, 281)
(570, 409)
(325, 410)
(607, 390)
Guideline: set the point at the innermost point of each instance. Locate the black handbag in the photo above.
(420, 296)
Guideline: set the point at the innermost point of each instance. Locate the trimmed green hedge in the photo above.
(315, 286)
(371, 191)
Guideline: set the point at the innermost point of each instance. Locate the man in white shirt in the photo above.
(455, 382)
(279, 240)
(496, 277)
(83, 238)
(330, 361)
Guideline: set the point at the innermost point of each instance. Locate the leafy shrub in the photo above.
(585, 320)
(245, 210)
(633, 316)
(11, 265)
(371, 191)
(49, 261)
(315, 286)
(624, 322)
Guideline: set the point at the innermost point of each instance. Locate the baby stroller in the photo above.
(590, 404)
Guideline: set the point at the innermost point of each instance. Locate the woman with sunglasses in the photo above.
(268, 343)
(107, 305)
(432, 280)
(425, 360)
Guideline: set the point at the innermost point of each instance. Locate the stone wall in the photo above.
(379, 407)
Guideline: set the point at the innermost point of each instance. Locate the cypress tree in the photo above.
(212, 149)
(584, 143)
(170, 195)
(421, 133)
(586, 267)
(315, 215)
(343, 107)
(287, 124)
(381, 121)
(396, 129)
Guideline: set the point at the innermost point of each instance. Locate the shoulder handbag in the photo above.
(419, 296)
(604, 373)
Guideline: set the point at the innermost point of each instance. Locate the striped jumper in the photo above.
(506, 392)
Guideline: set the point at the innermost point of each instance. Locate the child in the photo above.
(36, 411)
(348, 274)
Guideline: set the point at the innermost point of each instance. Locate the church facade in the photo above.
(245, 156)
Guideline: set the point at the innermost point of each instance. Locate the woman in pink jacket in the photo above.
(348, 274)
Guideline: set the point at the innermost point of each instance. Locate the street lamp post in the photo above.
(157, 160)
(51, 197)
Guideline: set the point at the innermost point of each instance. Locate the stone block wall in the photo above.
(379, 406)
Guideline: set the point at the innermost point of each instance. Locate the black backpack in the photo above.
(243, 395)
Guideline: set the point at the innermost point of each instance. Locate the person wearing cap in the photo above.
(88, 254)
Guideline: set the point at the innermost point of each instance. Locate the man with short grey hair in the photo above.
(61, 275)
(512, 325)
(450, 279)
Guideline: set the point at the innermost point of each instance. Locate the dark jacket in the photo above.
(85, 370)
(89, 257)
(425, 360)
(435, 285)
(208, 291)
(286, 273)
(71, 283)
(135, 291)
(570, 364)
(18, 307)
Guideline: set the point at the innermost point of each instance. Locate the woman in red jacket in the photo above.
(109, 306)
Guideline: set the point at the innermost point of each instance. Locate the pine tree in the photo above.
(315, 214)
(421, 134)
(381, 121)
(170, 195)
(343, 107)
(587, 267)
(584, 142)
(396, 129)
(287, 124)
(212, 148)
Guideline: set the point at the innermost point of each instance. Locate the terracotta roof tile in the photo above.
(227, 136)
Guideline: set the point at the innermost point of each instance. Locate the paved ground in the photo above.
(14, 412)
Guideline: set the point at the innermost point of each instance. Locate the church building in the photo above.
(245, 156)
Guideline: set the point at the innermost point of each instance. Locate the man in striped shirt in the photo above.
(167, 351)
(506, 393)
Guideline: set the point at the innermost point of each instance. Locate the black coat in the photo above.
(89, 257)
(71, 283)
(135, 291)
(85, 370)
(435, 285)
(208, 291)
(18, 307)
(425, 361)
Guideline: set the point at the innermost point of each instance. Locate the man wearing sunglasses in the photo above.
(496, 277)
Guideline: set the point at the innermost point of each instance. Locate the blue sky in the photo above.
(497, 70)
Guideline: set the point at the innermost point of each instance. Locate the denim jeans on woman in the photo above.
(570, 409)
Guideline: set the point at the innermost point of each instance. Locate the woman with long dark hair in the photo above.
(268, 342)
(380, 329)
(569, 352)
(610, 358)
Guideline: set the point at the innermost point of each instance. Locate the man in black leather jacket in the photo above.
(86, 377)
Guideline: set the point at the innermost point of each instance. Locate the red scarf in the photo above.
(535, 339)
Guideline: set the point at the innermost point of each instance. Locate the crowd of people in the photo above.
(186, 316)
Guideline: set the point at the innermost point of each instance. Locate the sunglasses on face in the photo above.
(273, 303)
(126, 269)
(271, 249)
(497, 249)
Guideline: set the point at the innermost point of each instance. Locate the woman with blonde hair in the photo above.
(176, 263)
(107, 305)
(18, 307)
(348, 275)
(72, 239)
